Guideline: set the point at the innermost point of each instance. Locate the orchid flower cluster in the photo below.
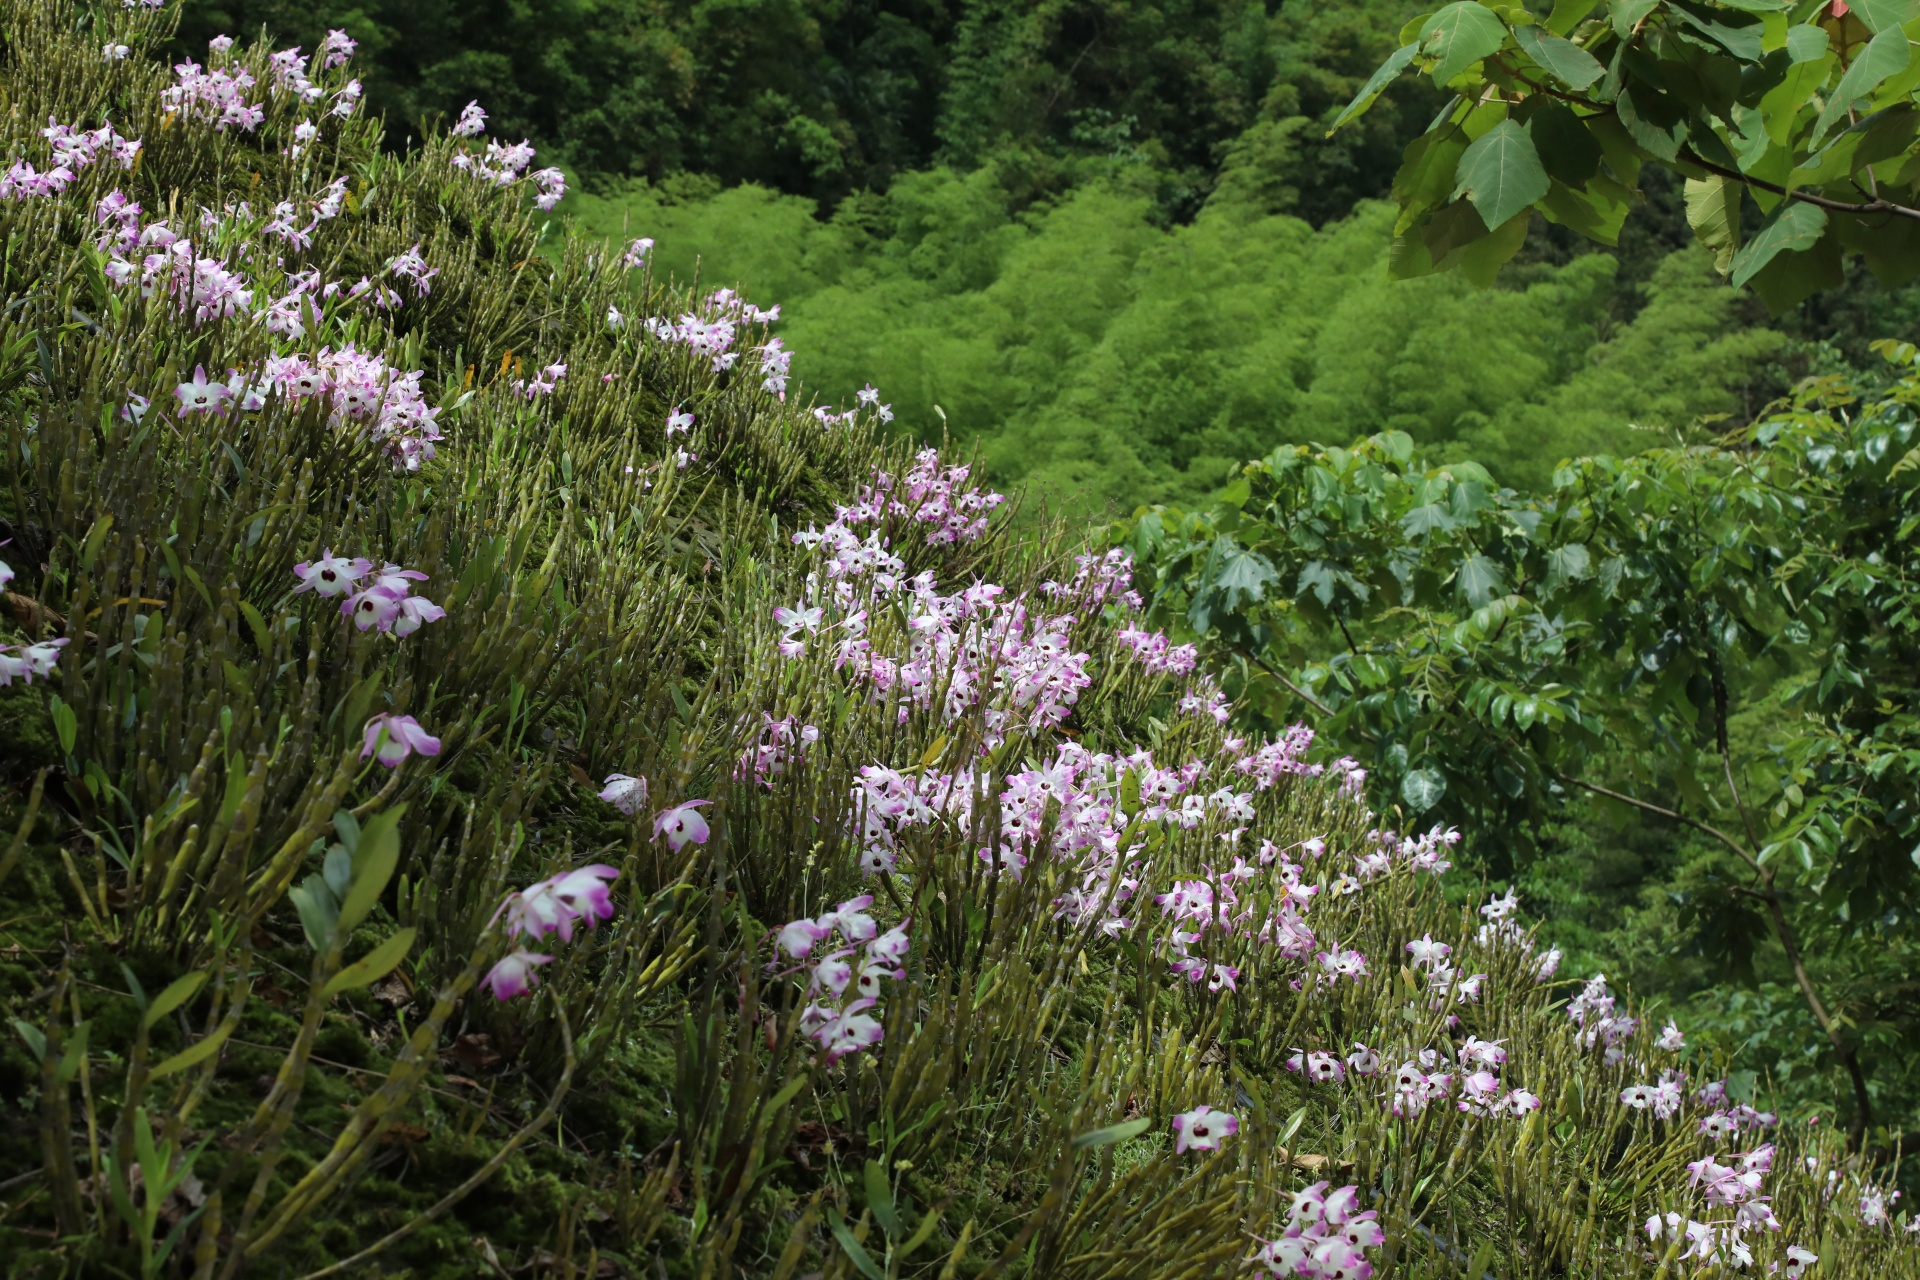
(472, 122)
(962, 651)
(845, 982)
(1154, 652)
(74, 149)
(711, 331)
(551, 907)
(543, 384)
(384, 604)
(779, 745)
(290, 76)
(1078, 792)
(1202, 1129)
(1728, 1118)
(868, 397)
(1663, 1098)
(776, 367)
(1326, 1237)
(1721, 1241)
(1503, 930)
(1204, 697)
(1472, 1081)
(359, 390)
(930, 494)
(1445, 985)
(323, 208)
(1593, 1012)
(1875, 1206)
(682, 825)
(625, 792)
(33, 659)
(679, 826)
(202, 287)
(412, 266)
(504, 164)
(216, 96)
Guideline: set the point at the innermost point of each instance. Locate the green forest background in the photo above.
(1110, 245)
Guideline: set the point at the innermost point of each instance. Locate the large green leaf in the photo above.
(1501, 173)
(1568, 13)
(1392, 67)
(1427, 518)
(1568, 150)
(1597, 212)
(318, 909)
(1806, 42)
(1422, 789)
(1243, 578)
(1742, 39)
(1780, 108)
(1478, 579)
(1791, 278)
(855, 1251)
(1793, 227)
(1627, 13)
(1886, 54)
(1890, 247)
(1879, 15)
(1569, 563)
(880, 1201)
(1460, 35)
(1713, 211)
(1564, 60)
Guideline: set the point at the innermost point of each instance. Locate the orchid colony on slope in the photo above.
(977, 653)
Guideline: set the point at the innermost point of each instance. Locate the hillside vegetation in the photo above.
(501, 782)
(1116, 245)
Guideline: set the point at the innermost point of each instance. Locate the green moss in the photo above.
(343, 1042)
(27, 738)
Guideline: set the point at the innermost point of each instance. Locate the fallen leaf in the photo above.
(475, 1052)
(394, 991)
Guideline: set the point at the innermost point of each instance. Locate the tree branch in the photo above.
(1789, 943)
(1805, 197)
(1740, 850)
(1876, 205)
(1293, 688)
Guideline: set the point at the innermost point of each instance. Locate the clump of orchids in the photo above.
(1326, 1233)
(554, 906)
(384, 604)
(845, 982)
(582, 897)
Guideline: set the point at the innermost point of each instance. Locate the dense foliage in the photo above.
(498, 781)
(1718, 636)
(1099, 240)
(1805, 107)
(824, 99)
(1104, 361)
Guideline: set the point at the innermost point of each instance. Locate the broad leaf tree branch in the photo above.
(1809, 110)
